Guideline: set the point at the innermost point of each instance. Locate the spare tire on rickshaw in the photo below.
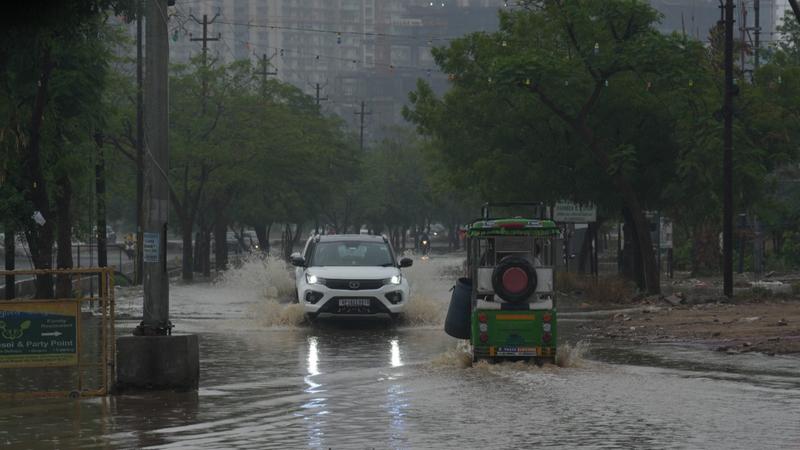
(514, 279)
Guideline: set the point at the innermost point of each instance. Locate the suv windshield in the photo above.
(351, 253)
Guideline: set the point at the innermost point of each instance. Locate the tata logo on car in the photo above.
(354, 285)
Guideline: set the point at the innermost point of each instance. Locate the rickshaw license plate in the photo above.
(354, 302)
(516, 351)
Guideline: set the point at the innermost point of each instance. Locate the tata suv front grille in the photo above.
(354, 285)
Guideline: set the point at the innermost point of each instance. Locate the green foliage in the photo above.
(523, 101)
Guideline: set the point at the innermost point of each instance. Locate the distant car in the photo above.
(111, 235)
(350, 274)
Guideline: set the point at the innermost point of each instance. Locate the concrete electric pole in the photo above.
(155, 318)
(138, 264)
(154, 358)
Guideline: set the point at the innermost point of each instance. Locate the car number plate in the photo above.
(353, 302)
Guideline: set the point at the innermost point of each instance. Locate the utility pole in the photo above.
(361, 135)
(325, 98)
(138, 265)
(100, 194)
(265, 72)
(205, 40)
(743, 35)
(757, 32)
(156, 282)
(727, 158)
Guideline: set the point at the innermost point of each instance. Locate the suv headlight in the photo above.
(395, 279)
(313, 279)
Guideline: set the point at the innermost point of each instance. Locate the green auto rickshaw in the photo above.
(505, 304)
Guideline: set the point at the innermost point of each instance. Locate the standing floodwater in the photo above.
(269, 380)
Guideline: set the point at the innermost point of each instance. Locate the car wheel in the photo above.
(311, 317)
(396, 317)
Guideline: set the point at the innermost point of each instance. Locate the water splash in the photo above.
(459, 357)
(571, 356)
(268, 285)
(430, 281)
(268, 277)
(270, 313)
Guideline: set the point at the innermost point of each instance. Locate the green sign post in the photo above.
(38, 334)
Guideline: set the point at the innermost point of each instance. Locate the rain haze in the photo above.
(400, 224)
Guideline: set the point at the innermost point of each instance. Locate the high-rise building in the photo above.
(356, 50)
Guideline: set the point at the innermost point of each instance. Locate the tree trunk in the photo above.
(623, 186)
(631, 256)
(585, 255)
(63, 198)
(220, 244)
(263, 237)
(298, 231)
(10, 248)
(652, 284)
(187, 262)
(100, 194)
(40, 237)
(287, 241)
(206, 253)
(197, 252)
(705, 249)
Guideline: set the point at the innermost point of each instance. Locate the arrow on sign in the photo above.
(54, 333)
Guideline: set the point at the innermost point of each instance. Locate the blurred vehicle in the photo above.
(424, 244)
(111, 235)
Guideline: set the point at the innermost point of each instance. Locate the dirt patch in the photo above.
(770, 326)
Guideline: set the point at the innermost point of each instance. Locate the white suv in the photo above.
(352, 274)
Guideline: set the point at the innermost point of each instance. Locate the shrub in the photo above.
(609, 289)
(605, 289)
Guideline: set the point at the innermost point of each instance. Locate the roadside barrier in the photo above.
(62, 346)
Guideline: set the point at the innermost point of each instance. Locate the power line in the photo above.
(338, 33)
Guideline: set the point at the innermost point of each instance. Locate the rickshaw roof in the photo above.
(512, 226)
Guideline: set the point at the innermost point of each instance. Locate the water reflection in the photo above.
(396, 361)
(316, 407)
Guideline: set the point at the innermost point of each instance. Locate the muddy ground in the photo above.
(769, 325)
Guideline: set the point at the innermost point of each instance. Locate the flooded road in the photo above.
(270, 381)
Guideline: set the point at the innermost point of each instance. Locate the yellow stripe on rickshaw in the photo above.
(515, 317)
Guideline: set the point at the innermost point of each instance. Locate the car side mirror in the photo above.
(297, 260)
(406, 262)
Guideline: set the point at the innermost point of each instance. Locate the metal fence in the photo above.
(62, 346)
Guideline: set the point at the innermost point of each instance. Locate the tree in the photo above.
(54, 58)
(583, 83)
